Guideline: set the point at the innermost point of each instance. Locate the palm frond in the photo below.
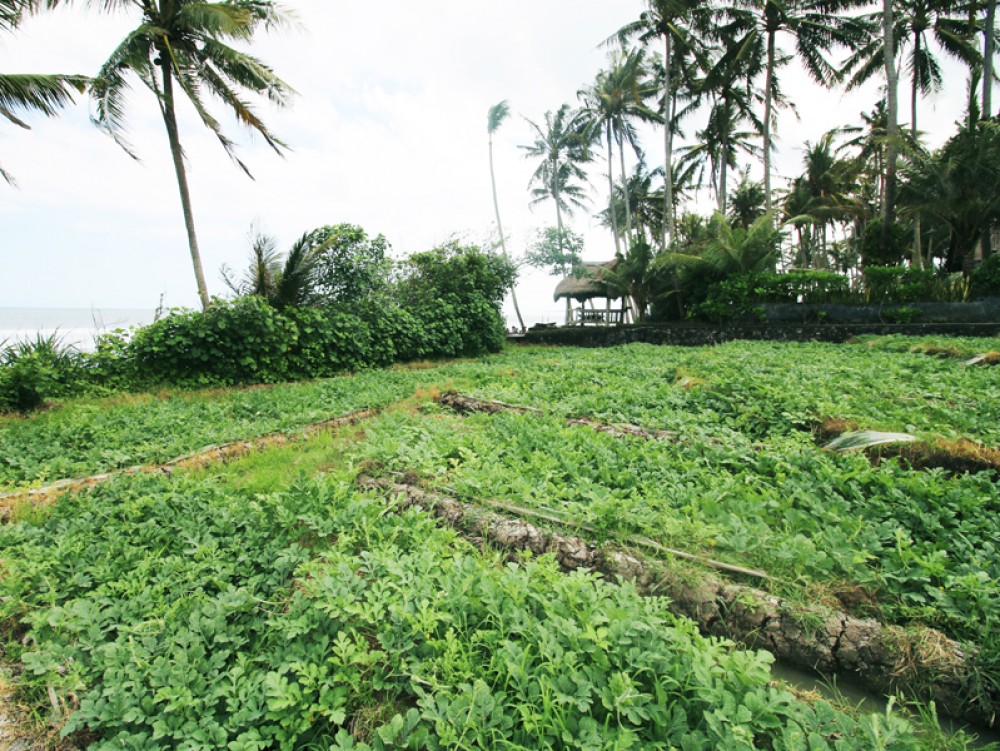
(496, 116)
(866, 439)
(38, 93)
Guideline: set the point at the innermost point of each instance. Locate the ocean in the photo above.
(73, 326)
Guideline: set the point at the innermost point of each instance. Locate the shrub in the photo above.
(326, 342)
(986, 278)
(742, 295)
(890, 250)
(243, 341)
(899, 284)
(33, 371)
(454, 292)
(349, 265)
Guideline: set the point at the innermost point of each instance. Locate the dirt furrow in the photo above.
(918, 662)
(201, 458)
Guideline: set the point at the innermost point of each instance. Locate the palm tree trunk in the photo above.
(768, 104)
(891, 130)
(503, 240)
(559, 221)
(628, 203)
(668, 144)
(988, 52)
(914, 93)
(170, 120)
(917, 257)
(611, 191)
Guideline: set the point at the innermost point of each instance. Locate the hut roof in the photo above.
(588, 285)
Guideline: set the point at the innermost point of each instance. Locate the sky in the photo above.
(387, 131)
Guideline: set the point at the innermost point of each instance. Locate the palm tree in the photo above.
(818, 26)
(28, 92)
(989, 49)
(823, 195)
(182, 44)
(907, 23)
(618, 96)
(728, 250)
(283, 284)
(670, 21)
(729, 83)
(562, 146)
(723, 136)
(494, 119)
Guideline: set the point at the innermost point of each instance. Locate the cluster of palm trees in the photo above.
(177, 48)
(717, 66)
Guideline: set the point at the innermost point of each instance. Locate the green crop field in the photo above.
(269, 604)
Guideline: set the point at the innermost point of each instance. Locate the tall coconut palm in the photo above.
(907, 25)
(669, 21)
(989, 49)
(27, 92)
(182, 45)
(728, 84)
(817, 27)
(919, 26)
(494, 119)
(562, 145)
(616, 98)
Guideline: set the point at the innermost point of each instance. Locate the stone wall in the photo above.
(697, 334)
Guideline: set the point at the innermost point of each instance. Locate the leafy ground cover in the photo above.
(761, 389)
(826, 524)
(91, 436)
(179, 613)
(244, 607)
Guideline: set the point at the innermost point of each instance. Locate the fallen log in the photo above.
(465, 405)
(922, 662)
(201, 458)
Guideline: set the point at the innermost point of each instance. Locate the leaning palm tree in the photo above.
(562, 145)
(182, 45)
(28, 92)
(494, 119)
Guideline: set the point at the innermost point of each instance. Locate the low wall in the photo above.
(698, 335)
(986, 310)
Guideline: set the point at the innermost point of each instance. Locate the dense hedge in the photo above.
(742, 295)
(444, 303)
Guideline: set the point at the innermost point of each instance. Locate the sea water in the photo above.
(77, 327)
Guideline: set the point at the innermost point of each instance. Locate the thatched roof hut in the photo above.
(588, 285)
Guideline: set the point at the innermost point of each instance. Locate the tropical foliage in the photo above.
(22, 93)
(254, 606)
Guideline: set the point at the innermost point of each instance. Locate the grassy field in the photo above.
(267, 603)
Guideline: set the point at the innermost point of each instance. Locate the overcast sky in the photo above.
(388, 131)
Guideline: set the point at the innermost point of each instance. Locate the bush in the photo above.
(899, 284)
(33, 371)
(326, 342)
(444, 303)
(454, 293)
(986, 278)
(877, 250)
(243, 341)
(744, 294)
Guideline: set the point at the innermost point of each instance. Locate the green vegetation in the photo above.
(91, 436)
(190, 615)
(267, 604)
(439, 303)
